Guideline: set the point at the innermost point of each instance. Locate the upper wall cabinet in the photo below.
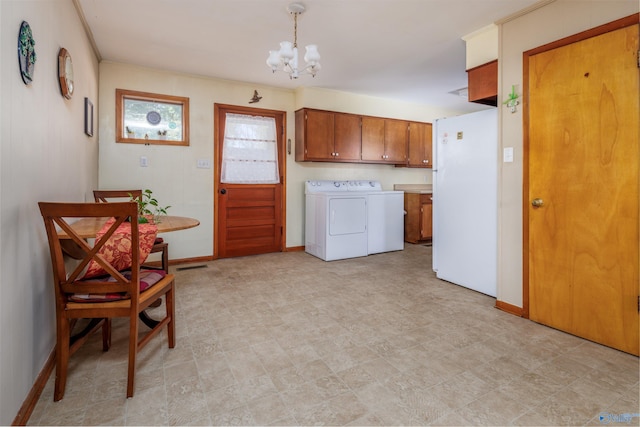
(420, 145)
(327, 136)
(384, 140)
(483, 83)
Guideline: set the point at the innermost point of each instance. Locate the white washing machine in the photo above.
(385, 216)
(335, 220)
(386, 221)
(348, 219)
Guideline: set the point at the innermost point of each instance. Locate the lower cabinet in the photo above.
(418, 221)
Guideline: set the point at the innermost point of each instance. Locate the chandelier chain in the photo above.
(295, 29)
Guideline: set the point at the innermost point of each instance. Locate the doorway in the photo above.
(249, 178)
(581, 178)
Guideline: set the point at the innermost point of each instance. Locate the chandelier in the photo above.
(286, 59)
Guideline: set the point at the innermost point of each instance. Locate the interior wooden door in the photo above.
(249, 218)
(582, 172)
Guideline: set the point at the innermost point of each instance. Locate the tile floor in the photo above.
(288, 339)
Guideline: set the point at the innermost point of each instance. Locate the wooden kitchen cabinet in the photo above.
(327, 136)
(482, 82)
(420, 145)
(418, 221)
(384, 140)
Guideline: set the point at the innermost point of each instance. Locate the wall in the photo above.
(44, 155)
(517, 36)
(172, 174)
(482, 46)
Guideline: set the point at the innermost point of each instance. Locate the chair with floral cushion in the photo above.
(106, 282)
(109, 195)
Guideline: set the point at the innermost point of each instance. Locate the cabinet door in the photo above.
(426, 220)
(372, 139)
(395, 140)
(319, 135)
(347, 137)
(420, 145)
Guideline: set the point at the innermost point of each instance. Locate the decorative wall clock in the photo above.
(26, 52)
(65, 73)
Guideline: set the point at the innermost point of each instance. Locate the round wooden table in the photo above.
(88, 227)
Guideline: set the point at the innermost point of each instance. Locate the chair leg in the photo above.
(165, 259)
(171, 326)
(106, 334)
(133, 351)
(62, 357)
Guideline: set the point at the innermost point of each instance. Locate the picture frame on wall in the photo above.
(88, 117)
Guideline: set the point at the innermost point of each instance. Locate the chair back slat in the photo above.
(107, 195)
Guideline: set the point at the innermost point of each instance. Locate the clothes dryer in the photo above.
(335, 220)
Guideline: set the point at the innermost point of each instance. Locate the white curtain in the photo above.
(250, 150)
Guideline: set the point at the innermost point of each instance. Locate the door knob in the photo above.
(537, 203)
(223, 191)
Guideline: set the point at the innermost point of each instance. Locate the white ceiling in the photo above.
(409, 50)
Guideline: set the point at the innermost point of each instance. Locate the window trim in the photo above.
(122, 94)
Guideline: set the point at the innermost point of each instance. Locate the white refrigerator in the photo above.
(465, 200)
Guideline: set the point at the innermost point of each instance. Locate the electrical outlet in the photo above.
(144, 162)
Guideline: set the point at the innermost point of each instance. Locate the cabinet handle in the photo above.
(337, 154)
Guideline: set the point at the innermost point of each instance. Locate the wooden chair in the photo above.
(124, 293)
(160, 245)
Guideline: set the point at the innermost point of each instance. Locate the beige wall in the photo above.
(172, 174)
(481, 46)
(44, 155)
(559, 19)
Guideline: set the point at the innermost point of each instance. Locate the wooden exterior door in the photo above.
(249, 218)
(581, 185)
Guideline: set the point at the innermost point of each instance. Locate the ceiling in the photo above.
(406, 50)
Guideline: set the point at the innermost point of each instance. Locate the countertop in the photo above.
(414, 188)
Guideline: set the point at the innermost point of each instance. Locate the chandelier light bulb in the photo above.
(312, 56)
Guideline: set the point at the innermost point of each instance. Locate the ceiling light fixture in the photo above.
(286, 59)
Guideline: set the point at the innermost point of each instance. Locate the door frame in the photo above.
(282, 166)
(596, 31)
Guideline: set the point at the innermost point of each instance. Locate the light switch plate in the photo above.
(203, 164)
(144, 162)
(507, 155)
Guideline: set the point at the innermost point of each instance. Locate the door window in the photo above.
(250, 150)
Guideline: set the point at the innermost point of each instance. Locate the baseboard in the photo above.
(294, 249)
(31, 400)
(187, 260)
(509, 308)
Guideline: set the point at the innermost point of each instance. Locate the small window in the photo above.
(149, 118)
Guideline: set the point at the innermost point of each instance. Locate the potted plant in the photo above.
(148, 207)
(162, 134)
(130, 133)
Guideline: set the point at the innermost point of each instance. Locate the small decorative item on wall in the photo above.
(88, 117)
(65, 73)
(256, 97)
(512, 101)
(26, 53)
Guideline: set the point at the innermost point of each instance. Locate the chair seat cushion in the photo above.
(117, 250)
(148, 278)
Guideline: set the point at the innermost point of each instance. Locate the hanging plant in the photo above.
(512, 100)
